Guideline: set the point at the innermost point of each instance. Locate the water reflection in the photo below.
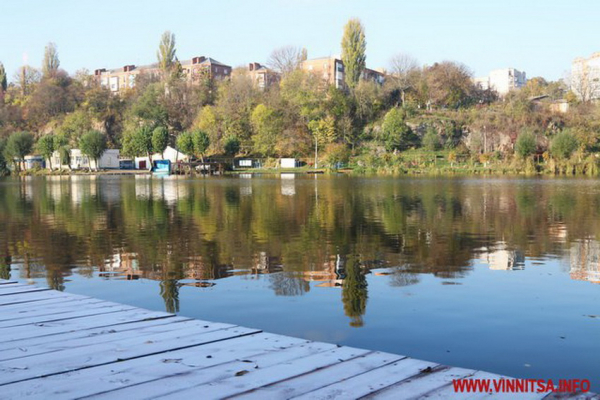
(297, 232)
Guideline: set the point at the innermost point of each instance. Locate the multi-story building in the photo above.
(331, 70)
(120, 79)
(262, 76)
(585, 77)
(502, 81)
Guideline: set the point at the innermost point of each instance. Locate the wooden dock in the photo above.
(56, 345)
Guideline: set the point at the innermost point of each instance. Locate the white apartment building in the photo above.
(585, 77)
(502, 80)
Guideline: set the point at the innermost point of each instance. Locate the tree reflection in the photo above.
(169, 291)
(354, 292)
(205, 230)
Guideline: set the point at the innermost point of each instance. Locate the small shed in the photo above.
(288, 163)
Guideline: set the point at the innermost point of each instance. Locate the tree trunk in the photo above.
(149, 161)
(316, 152)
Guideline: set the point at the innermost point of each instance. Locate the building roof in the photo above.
(207, 61)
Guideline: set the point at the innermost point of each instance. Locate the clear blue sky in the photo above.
(540, 37)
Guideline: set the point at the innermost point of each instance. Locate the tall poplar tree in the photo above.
(3, 80)
(166, 52)
(354, 46)
(51, 62)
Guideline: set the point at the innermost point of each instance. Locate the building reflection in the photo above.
(584, 258)
(501, 257)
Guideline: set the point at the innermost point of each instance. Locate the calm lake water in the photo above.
(495, 274)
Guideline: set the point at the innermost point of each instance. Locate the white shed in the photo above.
(288, 163)
(170, 154)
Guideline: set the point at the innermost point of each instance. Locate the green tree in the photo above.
(231, 145)
(138, 143)
(3, 80)
(526, 144)
(74, 126)
(266, 125)
(563, 145)
(45, 146)
(396, 135)
(160, 139)
(185, 143)
(354, 47)
(201, 143)
(431, 140)
(150, 108)
(51, 63)
(93, 145)
(61, 144)
(166, 52)
(17, 146)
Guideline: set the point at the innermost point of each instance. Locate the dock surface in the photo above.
(55, 345)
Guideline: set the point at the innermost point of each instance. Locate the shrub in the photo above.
(526, 144)
(563, 145)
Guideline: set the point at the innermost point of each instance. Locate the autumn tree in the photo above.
(354, 46)
(26, 78)
(266, 125)
(449, 85)
(323, 131)
(287, 59)
(403, 74)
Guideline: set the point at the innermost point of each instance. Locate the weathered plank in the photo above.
(104, 353)
(89, 311)
(257, 378)
(322, 377)
(41, 342)
(146, 330)
(10, 300)
(371, 381)
(197, 364)
(53, 328)
(21, 289)
(44, 310)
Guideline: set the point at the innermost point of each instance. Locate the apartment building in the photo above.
(502, 81)
(121, 79)
(585, 77)
(331, 70)
(262, 76)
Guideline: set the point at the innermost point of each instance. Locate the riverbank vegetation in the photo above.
(422, 119)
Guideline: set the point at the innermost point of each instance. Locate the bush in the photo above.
(431, 140)
(231, 145)
(563, 145)
(336, 153)
(526, 144)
